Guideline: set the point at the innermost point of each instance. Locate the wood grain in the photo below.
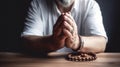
(8, 59)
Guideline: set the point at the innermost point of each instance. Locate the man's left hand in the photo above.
(70, 30)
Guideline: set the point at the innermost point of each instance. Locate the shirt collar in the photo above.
(74, 7)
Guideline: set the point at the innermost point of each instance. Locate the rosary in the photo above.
(81, 56)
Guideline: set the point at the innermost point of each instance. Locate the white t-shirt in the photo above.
(42, 16)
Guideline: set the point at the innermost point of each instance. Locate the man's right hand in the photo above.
(58, 35)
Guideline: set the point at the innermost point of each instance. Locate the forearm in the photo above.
(94, 44)
(39, 43)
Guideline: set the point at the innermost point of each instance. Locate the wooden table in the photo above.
(8, 59)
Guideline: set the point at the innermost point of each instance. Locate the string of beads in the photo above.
(81, 56)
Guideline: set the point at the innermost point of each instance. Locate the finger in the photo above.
(68, 20)
(67, 33)
(57, 32)
(68, 26)
(69, 43)
(71, 21)
(57, 27)
(59, 21)
(62, 40)
(69, 15)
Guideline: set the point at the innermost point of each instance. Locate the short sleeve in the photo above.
(33, 23)
(93, 24)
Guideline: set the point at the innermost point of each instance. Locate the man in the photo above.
(64, 25)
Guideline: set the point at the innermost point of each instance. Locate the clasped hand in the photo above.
(65, 32)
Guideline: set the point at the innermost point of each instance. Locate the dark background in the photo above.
(14, 12)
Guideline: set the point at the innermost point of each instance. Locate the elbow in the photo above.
(27, 42)
(102, 47)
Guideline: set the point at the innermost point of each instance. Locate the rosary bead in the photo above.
(81, 56)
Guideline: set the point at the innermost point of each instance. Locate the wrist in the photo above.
(80, 44)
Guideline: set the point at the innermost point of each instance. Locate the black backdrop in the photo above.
(14, 12)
